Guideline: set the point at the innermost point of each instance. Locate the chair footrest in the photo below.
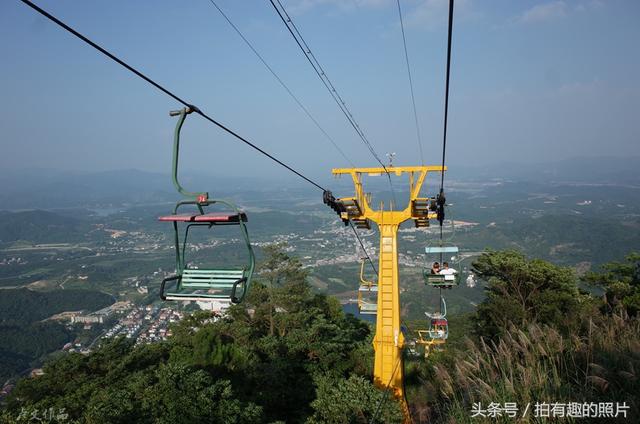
(205, 285)
(368, 308)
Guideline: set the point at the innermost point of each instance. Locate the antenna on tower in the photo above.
(391, 156)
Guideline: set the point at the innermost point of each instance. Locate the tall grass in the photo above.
(534, 365)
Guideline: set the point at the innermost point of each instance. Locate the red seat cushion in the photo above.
(208, 217)
(185, 217)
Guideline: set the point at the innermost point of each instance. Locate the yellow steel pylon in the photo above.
(389, 340)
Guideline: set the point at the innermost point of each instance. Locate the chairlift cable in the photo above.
(413, 99)
(363, 248)
(319, 70)
(404, 373)
(446, 101)
(385, 392)
(164, 90)
(282, 83)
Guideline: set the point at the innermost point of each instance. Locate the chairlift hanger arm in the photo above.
(364, 281)
(182, 115)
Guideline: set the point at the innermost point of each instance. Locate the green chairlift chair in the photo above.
(195, 283)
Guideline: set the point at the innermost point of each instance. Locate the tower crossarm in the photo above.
(360, 207)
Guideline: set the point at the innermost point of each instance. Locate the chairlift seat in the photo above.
(366, 308)
(441, 277)
(367, 288)
(441, 280)
(220, 284)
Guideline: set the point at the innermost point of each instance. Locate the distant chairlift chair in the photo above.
(438, 331)
(204, 284)
(367, 294)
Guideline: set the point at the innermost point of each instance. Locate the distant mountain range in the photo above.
(40, 226)
(588, 170)
(51, 189)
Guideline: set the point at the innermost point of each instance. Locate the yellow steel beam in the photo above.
(391, 169)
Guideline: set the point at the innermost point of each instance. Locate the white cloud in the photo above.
(554, 10)
(417, 13)
(591, 5)
(580, 87)
(433, 14)
(299, 7)
(429, 13)
(544, 12)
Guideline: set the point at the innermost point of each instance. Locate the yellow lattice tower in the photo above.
(388, 341)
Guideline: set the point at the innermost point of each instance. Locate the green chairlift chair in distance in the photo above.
(196, 283)
(438, 331)
(439, 327)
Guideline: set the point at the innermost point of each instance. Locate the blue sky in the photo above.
(531, 81)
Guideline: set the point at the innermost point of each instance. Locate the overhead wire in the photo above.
(446, 94)
(385, 394)
(441, 198)
(413, 99)
(166, 91)
(319, 70)
(282, 83)
(404, 373)
(363, 248)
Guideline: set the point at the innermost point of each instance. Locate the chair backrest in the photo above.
(210, 278)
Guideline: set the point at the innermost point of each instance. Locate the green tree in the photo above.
(352, 401)
(182, 395)
(521, 292)
(621, 281)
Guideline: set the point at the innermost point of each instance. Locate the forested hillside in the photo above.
(24, 306)
(39, 226)
(24, 338)
(289, 355)
(285, 355)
